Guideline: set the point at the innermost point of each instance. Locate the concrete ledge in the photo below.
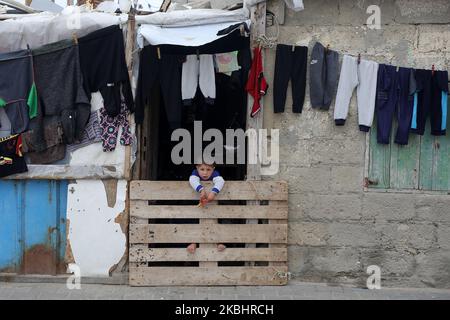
(15, 278)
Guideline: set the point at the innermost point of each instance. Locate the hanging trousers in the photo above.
(198, 71)
(290, 64)
(163, 71)
(364, 77)
(395, 95)
(323, 79)
(430, 101)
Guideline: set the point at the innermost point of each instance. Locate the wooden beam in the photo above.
(67, 172)
(216, 233)
(129, 48)
(233, 190)
(198, 276)
(139, 254)
(141, 209)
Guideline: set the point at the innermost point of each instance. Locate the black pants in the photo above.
(163, 70)
(395, 96)
(290, 64)
(102, 61)
(432, 90)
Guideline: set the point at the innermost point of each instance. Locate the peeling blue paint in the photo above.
(32, 215)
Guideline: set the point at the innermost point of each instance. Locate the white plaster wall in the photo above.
(97, 241)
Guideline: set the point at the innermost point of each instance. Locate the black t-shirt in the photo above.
(11, 158)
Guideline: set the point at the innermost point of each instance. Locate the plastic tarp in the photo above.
(193, 36)
(296, 5)
(44, 28)
(184, 18)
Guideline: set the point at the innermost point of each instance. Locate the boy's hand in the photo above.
(203, 198)
(211, 196)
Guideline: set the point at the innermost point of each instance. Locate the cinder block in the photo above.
(339, 152)
(347, 178)
(405, 235)
(351, 234)
(387, 206)
(306, 179)
(329, 207)
(307, 234)
(443, 235)
(433, 268)
(419, 11)
(434, 208)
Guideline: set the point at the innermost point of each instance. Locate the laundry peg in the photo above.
(433, 69)
(359, 58)
(74, 37)
(328, 47)
(293, 47)
(158, 51)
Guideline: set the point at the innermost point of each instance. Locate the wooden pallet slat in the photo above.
(141, 209)
(216, 233)
(200, 276)
(233, 190)
(142, 254)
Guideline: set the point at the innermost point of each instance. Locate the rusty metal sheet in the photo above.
(34, 226)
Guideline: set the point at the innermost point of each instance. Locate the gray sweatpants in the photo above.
(324, 72)
(362, 76)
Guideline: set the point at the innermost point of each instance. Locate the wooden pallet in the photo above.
(268, 259)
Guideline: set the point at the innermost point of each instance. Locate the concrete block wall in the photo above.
(336, 229)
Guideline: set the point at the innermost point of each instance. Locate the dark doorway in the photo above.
(227, 112)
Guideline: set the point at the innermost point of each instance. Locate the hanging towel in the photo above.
(256, 85)
(227, 62)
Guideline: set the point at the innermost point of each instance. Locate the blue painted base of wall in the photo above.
(33, 226)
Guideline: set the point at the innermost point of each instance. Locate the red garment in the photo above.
(256, 84)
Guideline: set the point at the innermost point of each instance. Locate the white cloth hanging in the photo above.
(198, 71)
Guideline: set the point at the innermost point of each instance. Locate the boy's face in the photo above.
(205, 171)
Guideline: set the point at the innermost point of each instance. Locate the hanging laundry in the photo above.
(430, 101)
(92, 133)
(227, 62)
(198, 71)
(110, 129)
(363, 76)
(324, 73)
(296, 5)
(11, 158)
(60, 86)
(290, 63)
(17, 89)
(102, 60)
(55, 149)
(256, 84)
(395, 95)
(163, 70)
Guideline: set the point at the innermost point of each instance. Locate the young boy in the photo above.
(206, 172)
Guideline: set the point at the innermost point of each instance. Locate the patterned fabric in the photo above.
(110, 129)
(92, 133)
(11, 158)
